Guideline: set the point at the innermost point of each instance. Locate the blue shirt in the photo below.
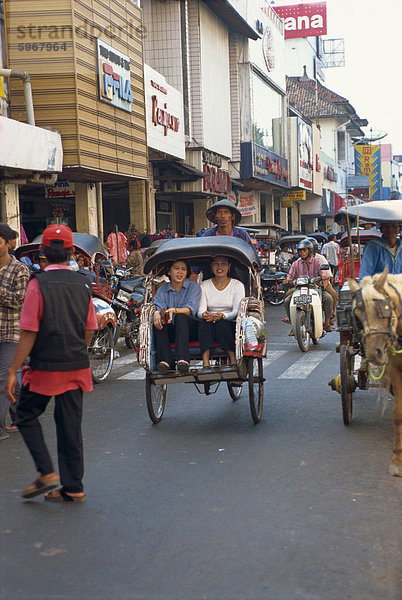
(188, 296)
(377, 255)
(237, 232)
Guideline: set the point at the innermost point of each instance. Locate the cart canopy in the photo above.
(87, 244)
(199, 251)
(381, 211)
(365, 235)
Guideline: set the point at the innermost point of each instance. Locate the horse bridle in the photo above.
(386, 309)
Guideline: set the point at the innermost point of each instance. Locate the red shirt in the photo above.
(52, 383)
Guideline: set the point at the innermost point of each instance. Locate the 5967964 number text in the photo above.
(42, 47)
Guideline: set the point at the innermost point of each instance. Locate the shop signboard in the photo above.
(164, 114)
(216, 179)
(327, 209)
(259, 163)
(368, 162)
(304, 20)
(246, 204)
(305, 154)
(294, 196)
(114, 77)
(60, 190)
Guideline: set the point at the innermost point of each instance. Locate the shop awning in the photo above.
(225, 10)
(186, 172)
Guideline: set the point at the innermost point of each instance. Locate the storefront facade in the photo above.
(86, 70)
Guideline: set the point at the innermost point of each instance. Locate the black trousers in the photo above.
(68, 418)
(180, 333)
(222, 332)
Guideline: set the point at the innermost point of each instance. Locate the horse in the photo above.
(377, 306)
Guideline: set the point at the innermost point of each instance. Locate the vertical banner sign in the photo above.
(368, 162)
(305, 154)
(303, 20)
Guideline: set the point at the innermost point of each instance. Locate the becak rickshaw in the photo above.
(358, 238)
(98, 268)
(351, 330)
(250, 347)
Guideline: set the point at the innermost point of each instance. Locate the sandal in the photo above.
(291, 334)
(11, 428)
(328, 328)
(39, 487)
(285, 320)
(61, 496)
(183, 366)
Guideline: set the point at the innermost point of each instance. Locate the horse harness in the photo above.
(386, 309)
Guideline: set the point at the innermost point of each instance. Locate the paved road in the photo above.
(206, 505)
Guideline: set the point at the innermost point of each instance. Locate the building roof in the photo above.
(314, 101)
(225, 10)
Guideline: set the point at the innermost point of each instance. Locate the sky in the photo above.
(372, 77)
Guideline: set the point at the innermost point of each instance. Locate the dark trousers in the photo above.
(180, 332)
(222, 332)
(68, 418)
(334, 269)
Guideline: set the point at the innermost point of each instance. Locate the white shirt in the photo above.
(331, 251)
(225, 301)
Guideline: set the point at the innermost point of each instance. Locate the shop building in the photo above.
(259, 120)
(189, 43)
(86, 68)
(339, 126)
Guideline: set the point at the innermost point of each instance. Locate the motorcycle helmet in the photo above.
(306, 243)
(315, 244)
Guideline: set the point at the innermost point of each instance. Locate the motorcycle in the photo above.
(128, 296)
(306, 311)
(273, 289)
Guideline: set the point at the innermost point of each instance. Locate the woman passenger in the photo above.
(218, 310)
(176, 305)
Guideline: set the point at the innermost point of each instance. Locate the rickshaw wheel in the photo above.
(100, 354)
(255, 387)
(346, 368)
(156, 399)
(234, 390)
(302, 335)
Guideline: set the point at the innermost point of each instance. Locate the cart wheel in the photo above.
(347, 383)
(278, 297)
(302, 335)
(234, 390)
(100, 354)
(156, 399)
(255, 387)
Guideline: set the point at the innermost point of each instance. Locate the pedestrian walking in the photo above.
(57, 323)
(13, 282)
(331, 251)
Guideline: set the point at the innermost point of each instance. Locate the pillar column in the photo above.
(138, 199)
(86, 209)
(10, 206)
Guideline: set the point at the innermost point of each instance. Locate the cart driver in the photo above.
(309, 266)
(226, 216)
(384, 251)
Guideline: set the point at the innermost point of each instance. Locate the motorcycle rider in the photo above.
(310, 266)
(326, 279)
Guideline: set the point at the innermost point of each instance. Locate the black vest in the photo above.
(60, 343)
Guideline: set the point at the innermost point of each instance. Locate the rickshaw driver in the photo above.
(226, 216)
(309, 266)
(382, 252)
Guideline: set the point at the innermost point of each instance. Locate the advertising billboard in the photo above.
(303, 20)
(259, 163)
(368, 162)
(305, 154)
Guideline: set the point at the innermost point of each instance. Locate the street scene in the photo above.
(200, 300)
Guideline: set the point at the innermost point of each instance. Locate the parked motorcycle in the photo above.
(306, 311)
(128, 296)
(272, 286)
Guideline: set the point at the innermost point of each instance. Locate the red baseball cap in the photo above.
(58, 233)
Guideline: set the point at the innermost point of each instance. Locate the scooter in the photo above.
(306, 311)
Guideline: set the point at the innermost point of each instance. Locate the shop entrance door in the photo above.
(185, 218)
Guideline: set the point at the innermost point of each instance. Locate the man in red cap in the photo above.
(57, 323)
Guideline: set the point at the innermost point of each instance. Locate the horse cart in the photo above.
(247, 371)
(370, 328)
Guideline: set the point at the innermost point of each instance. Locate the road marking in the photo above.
(134, 375)
(273, 355)
(302, 368)
(125, 360)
